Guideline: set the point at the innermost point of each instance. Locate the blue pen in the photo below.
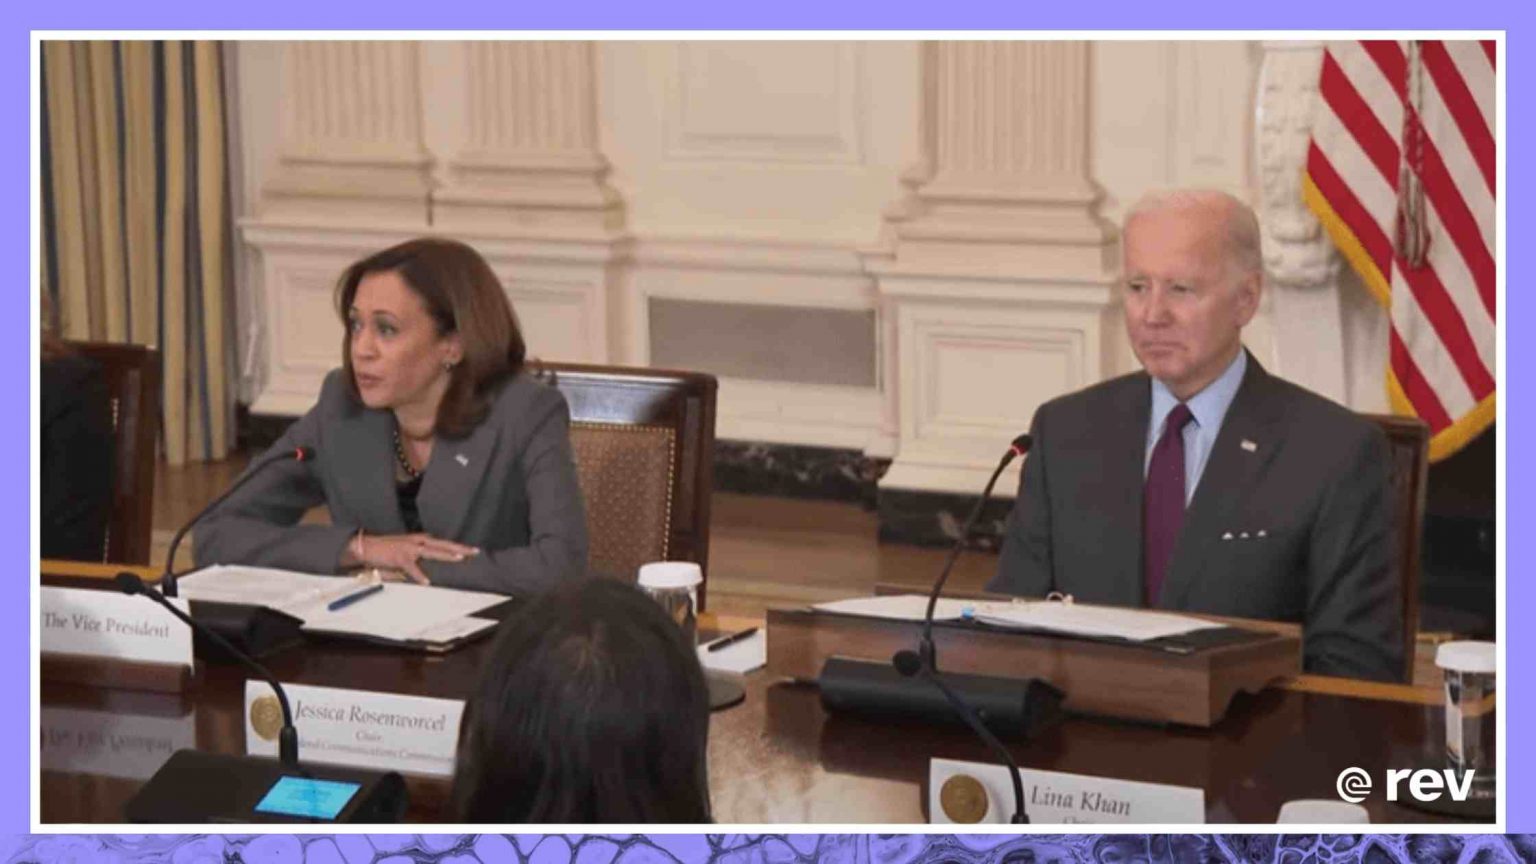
(344, 602)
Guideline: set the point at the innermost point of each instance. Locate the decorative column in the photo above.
(492, 143)
(351, 135)
(1004, 179)
(528, 159)
(996, 277)
(519, 175)
(1300, 264)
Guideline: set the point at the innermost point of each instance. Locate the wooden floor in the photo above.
(763, 551)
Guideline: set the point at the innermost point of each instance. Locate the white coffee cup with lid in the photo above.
(675, 585)
(1471, 699)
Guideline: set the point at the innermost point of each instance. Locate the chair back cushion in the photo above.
(626, 474)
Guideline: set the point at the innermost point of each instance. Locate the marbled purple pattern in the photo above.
(769, 849)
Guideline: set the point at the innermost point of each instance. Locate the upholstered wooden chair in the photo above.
(1408, 439)
(644, 443)
(133, 374)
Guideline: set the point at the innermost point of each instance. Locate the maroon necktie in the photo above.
(1162, 502)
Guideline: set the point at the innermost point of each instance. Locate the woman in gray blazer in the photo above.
(438, 456)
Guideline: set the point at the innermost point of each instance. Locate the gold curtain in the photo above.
(136, 221)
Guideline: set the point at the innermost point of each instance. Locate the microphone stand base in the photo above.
(256, 630)
(1008, 706)
(725, 691)
(197, 787)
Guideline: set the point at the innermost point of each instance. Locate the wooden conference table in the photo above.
(778, 757)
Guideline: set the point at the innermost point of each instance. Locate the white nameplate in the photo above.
(108, 624)
(131, 746)
(361, 728)
(1054, 798)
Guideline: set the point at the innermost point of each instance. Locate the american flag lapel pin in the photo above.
(1250, 446)
(461, 459)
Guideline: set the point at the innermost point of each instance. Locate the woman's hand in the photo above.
(404, 552)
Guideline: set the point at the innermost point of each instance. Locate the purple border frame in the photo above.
(787, 14)
(771, 848)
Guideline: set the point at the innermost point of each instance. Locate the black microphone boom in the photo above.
(929, 656)
(168, 576)
(193, 786)
(288, 737)
(1009, 705)
(1018, 448)
(256, 629)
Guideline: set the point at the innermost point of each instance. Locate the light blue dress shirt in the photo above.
(1209, 408)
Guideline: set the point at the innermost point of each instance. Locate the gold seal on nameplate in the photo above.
(964, 799)
(267, 717)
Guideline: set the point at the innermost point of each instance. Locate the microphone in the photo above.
(194, 786)
(1006, 704)
(258, 630)
(1018, 448)
(928, 660)
(288, 736)
(168, 577)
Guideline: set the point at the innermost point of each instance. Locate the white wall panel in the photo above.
(793, 142)
(597, 178)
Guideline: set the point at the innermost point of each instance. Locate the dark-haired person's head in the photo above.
(427, 323)
(592, 708)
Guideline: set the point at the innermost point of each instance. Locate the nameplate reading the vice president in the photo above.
(360, 728)
(106, 624)
(973, 792)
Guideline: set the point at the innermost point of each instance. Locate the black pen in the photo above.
(728, 641)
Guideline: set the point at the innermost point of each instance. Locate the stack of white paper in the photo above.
(402, 612)
(1137, 625)
(283, 590)
(897, 607)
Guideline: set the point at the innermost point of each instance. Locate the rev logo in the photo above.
(1425, 784)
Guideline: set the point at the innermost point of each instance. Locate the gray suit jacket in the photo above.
(1313, 480)
(509, 487)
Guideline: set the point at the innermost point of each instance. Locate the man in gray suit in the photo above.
(1203, 483)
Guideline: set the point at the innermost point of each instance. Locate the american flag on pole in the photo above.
(1401, 172)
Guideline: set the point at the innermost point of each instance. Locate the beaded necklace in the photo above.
(405, 464)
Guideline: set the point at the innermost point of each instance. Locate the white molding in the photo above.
(778, 413)
(365, 238)
(1002, 187)
(973, 360)
(1210, 97)
(547, 297)
(957, 182)
(953, 477)
(696, 133)
(559, 289)
(1301, 266)
(1090, 290)
(746, 255)
(521, 155)
(350, 142)
(997, 273)
(352, 101)
(747, 180)
(941, 339)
